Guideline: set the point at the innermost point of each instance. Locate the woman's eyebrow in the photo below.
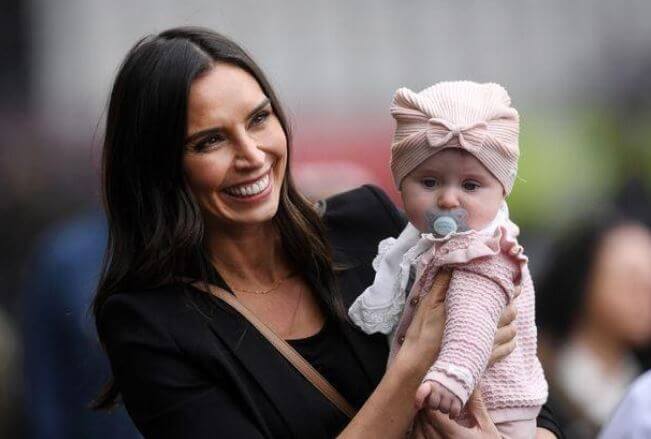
(258, 107)
(199, 134)
(194, 137)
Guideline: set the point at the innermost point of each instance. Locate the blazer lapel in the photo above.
(270, 370)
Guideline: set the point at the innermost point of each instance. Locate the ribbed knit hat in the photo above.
(462, 114)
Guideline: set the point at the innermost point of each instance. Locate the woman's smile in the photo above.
(252, 190)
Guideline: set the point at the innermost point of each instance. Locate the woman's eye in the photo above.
(208, 142)
(260, 117)
(470, 185)
(430, 182)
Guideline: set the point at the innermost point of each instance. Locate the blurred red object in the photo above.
(329, 162)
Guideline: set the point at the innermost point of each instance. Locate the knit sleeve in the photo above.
(474, 304)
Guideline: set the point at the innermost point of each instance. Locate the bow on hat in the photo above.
(414, 117)
(441, 131)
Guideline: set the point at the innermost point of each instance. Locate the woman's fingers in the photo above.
(501, 351)
(478, 411)
(417, 429)
(508, 315)
(427, 429)
(504, 341)
(439, 287)
(442, 424)
(432, 304)
(426, 328)
(505, 334)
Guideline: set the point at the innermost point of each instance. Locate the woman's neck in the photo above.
(251, 253)
(609, 350)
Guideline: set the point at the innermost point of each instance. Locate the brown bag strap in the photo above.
(305, 368)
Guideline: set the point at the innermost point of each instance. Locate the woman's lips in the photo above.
(253, 191)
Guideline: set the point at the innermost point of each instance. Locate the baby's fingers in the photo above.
(423, 392)
(434, 400)
(455, 408)
(446, 402)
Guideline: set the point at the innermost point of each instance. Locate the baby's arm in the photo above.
(473, 306)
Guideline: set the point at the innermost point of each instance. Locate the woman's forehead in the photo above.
(221, 95)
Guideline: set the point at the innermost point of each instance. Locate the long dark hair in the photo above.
(562, 289)
(155, 226)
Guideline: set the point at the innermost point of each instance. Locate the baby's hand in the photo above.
(437, 397)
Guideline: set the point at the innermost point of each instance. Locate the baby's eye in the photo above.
(470, 185)
(429, 182)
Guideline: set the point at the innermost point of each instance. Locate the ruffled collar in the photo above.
(500, 235)
(379, 307)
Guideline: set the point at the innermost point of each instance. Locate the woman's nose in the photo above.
(249, 153)
(448, 199)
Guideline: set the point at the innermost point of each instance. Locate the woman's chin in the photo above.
(251, 213)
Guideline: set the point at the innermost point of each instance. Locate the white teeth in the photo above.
(248, 190)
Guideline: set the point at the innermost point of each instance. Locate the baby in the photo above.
(454, 160)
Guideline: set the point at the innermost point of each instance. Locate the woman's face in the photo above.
(236, 149)
(619, 293)
(451, 179)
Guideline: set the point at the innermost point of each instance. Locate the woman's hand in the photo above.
(504, 341)
(390, 410)
(425, 333)
(432, 424)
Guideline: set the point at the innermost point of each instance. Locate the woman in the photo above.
(595, 309)
(197, 185)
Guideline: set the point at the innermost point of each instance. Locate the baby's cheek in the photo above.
(481, 214)
(417, 216)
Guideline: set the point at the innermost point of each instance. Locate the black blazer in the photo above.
(188, 365)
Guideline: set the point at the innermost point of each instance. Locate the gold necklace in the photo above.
(273, 286)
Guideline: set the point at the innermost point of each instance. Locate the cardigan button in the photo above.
(414, 301)
(401, 340)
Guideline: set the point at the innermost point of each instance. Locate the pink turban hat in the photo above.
(475, 117)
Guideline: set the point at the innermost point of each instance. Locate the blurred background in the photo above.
(577, 71)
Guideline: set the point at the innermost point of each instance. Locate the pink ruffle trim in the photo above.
(465, 247)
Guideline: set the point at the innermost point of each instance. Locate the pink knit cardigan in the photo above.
(488, 273)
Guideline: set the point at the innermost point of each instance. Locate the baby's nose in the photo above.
(448, 199)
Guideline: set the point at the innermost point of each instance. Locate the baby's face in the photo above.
(452, 179)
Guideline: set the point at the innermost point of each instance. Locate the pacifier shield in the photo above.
(444, 225)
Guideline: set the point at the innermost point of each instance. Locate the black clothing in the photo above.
(188, 365)
(337, 362)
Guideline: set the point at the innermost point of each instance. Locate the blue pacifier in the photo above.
(442, 223)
